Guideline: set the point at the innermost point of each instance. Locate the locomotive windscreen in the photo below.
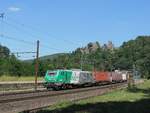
(51, 73)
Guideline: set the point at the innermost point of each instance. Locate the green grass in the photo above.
(135, 100)
(15, 78)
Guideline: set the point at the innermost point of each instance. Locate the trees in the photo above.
(135, 53)
(4, 52)
(10, 65)
(132, 53)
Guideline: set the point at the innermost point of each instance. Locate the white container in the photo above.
(124, 76)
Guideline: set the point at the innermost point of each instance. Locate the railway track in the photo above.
(17, 102)
(16, 85)
(10, 97)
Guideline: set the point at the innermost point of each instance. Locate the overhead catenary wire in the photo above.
(20, 30)
(48, 34)
(44, 45)
(16, 39)
(22, 52)
(48, 47)
(27, 42)
(24, 29)
(23, 41)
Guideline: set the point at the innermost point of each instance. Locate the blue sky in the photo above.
(68, 24)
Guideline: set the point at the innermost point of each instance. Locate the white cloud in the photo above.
(14, 9)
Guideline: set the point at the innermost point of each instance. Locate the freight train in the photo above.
(64, 79)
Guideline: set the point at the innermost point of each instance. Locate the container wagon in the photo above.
(116, 77)
(102, 77)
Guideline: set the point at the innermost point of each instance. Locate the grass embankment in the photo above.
(135, 100)
(15, 78)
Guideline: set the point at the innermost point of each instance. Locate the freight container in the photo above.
(102, 76)
(116, 77)
(124, 75)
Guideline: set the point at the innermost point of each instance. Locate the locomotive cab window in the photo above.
(51, 73)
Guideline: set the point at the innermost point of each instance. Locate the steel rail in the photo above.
(33, 95)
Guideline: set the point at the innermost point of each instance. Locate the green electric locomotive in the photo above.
(62, 79)
(57, 79)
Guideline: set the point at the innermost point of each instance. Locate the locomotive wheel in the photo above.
(48, 88)
(63, 87)
(56, 88)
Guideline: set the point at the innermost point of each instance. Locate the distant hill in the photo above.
(51, 57)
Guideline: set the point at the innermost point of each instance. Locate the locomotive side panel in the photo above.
(75, 77)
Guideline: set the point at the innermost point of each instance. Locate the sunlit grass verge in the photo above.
(5, 78)
(135, 100)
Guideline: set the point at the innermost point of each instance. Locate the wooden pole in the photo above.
(37, 64)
